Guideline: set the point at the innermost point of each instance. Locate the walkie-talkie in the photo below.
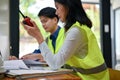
(26, 19)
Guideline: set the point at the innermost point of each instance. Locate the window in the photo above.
(31, 9)
(93, 13)
(117, 35)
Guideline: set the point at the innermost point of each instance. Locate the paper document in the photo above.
(14, 64)
(45, 71)
(21, 72)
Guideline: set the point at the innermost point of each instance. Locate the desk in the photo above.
(68, 76)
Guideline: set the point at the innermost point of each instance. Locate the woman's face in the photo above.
(61, 11)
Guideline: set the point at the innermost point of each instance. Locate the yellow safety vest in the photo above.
(59, 41)
(93, 58)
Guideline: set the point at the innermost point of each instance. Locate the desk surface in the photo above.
(69, 76)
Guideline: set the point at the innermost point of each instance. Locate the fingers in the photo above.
(34, 24)
(28, 56)
(42, 60)
(26, 27)
(25, 57)
(12, 58)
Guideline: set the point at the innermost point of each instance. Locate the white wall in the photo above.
(115, 3)
(4, 28)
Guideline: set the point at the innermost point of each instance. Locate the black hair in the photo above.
(75, 13)
(48, 12)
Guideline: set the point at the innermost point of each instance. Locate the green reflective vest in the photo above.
(92, 59)
(59, 41)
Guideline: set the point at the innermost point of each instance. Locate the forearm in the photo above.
(39, 38)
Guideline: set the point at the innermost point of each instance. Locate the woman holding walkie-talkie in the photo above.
(80, 50)
(49, 21)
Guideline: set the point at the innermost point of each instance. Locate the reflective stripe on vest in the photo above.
(94, 70)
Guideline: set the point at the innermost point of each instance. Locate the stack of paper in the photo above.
(14, 65)
(24, 74)
(23, 64)
(18, 68)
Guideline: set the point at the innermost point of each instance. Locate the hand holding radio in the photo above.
(26, 19)
(34, 31)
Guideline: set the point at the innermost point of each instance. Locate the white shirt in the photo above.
(75, 44)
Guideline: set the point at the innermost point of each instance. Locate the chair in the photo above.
(114, 74)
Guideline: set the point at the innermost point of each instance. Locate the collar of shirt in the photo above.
(55, 34)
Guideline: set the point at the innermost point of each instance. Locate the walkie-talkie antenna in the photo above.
(26, 19)
(22, 14)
